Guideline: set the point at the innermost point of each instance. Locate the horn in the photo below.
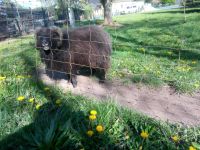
(60, 33)
(37, 30)
(36, 34)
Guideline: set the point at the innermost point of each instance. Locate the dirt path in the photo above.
(162, 103)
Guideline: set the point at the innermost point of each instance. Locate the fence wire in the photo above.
(35, 20)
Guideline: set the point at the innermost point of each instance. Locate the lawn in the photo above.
(34, 116)
(158, 49)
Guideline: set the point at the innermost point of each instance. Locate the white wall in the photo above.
(127, 7)
(98, 14)
(121, 8)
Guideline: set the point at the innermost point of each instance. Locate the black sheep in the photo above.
(70, 50)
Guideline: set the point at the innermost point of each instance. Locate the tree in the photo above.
(59, 8)
(66, 9)
(70, 9)
(87, 11)
(107, 5)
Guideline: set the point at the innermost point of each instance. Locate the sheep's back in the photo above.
(90, 46)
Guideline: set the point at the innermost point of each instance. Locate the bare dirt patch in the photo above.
(162, 103)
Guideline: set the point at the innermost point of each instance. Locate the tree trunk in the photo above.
(71, 18)
(18, 27)
(108, 12)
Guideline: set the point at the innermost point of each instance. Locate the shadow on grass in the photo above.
(55, 126)
(49, 125)
(158, 51)
(188, 10)
(159, 31)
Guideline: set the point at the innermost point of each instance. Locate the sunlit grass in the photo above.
(157, 49)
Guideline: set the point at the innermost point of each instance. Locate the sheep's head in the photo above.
(48, 39)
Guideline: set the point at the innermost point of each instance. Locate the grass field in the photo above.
(33, 116)
(158, 49)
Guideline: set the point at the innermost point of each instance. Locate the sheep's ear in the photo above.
(57, 36)
(37, 30)
(36, 34)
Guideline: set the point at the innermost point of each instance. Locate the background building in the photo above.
(119, 7)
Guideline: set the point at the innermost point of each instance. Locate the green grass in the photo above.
(22, 126)
(157, 49)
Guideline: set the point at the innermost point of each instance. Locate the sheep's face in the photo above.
(45, 43)
(48, 39)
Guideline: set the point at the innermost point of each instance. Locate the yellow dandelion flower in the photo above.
(20, 98)
(144, 134)
(175, 138)
(192, 148)
(46, 89)
(140, 148)
(20, 77)
(183, 69)
(28, 76)
(188, 68)
(121, 75)
(99, 128)
(196, 85)
(127, 137)
(2, 78)
(90, 133)
(142, 49)
(169, 53)
(38, 106)
(58, 101)
(31, 100)
(92, 117)
(194, 62)
(147, 69)
(158, 72)
(93, 112)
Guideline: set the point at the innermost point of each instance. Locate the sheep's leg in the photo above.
(74, 80)
(102, 75)
(73, 76)
(68, 74)
(67, 77)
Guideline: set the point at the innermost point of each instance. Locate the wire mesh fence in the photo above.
(136, 57)
(144, 61)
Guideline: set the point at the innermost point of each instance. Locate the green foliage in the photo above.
(103, 2)
(62, 7)
(148, 1)
(87, 10)
(196, 145)
(167, 1)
